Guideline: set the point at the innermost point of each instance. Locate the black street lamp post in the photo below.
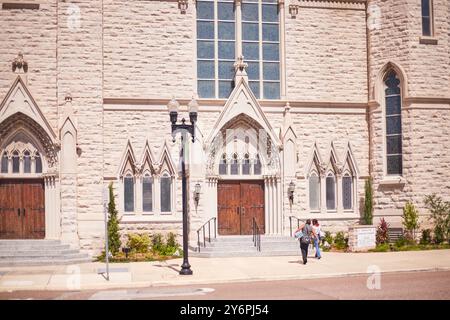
(184, 128)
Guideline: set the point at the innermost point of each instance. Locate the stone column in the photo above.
(266, 205)
(323, 194)
(52, 207)
(339, 199)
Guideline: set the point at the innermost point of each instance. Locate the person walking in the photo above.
(316, 239)
(305, 240)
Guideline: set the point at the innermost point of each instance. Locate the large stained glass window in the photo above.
(393, 125)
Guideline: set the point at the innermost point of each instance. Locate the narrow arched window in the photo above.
(257, 165)
(331, 192)
(128, 191)
(234, 166)
(26, 162)
(38, 163)
(223, 164)
(347, 192)
(166, 193)
(5, 162)
(147, 193)
(246, 164)
(393, 125)
(15, 162)
(314, 192)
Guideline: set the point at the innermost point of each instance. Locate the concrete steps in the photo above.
(242, 246)
(38, 252)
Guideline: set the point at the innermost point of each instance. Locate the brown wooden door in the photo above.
(10, 206)
(33, 210)
(238, 203)
(229, 195)
(22, 214)
(252, 202)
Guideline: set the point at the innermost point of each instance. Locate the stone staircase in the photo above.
(38, 252)
(242, 246)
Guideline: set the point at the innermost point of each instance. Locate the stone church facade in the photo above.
(307, 98)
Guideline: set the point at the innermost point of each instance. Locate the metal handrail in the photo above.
(290, 223)
(202, 228)
(256, 235)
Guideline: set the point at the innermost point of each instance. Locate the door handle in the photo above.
(243, 210)
(238, 210)
(18, 212)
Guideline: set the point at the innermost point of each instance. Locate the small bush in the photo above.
(157, 242)
(339, 241)
(426, 237)
(384, 247)
(382, 235)
(328, 237)
(440, 214)
(410, 220)
(138, 243)
(172, 239)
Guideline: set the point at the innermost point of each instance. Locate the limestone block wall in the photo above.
(33, 32)
(340, 129)
(326, 56)
(149, 49)
(424, 67)
(80, 74)
(396, 37)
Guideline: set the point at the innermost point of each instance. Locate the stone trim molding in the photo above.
(332, 4)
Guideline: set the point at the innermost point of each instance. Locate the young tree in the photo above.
(440, 214)
(382, 235)
(368, 202)
(411, 219)
(113, 224)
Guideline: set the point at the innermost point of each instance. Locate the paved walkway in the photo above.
(218, 270)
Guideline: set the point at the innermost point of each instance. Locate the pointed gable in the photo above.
(148, 160)
(128, 162)
(166, 163)
(243, 101)
(314, 162)
(19, 100)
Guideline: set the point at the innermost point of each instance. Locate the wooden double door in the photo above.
(22, 209)
(238, 203)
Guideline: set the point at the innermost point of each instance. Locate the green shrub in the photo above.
(382, 235)
(114, 242)
(157, 242)
(328, 237)
(440, 214)
(384, 247)
(426, 237)
(340, 241)
(172, 240)
(139, 243)
(368, 202)
(410, 220)
(403, 242)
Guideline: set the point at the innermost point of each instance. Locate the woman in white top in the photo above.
(316, 228)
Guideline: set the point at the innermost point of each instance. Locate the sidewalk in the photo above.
(218, 270)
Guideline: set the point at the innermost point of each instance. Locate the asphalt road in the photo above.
(410, 286)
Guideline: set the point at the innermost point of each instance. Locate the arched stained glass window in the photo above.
(331, 192)
(147, 193)
(5, 162)
(246, 164)
(223, 165)
(393, 124)
(347, 192)
(166, 193)
(314, 192)
(128, 191)
(15, 162)
(257, 166)
(26, 162)
(234, 166)
(38, 162)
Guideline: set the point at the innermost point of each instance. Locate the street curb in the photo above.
(181, 282)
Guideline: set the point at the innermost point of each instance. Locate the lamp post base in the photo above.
(186, 269)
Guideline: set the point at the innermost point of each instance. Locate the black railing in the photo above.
(202, 228)
(256, 235)
(290, 223)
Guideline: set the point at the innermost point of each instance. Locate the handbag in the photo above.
(298, 234)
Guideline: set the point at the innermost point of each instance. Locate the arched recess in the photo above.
(243, 131)
(127, 177)
(68, 134)
(24, 128)
(166, 182)
(350, 175)
(381, 76)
